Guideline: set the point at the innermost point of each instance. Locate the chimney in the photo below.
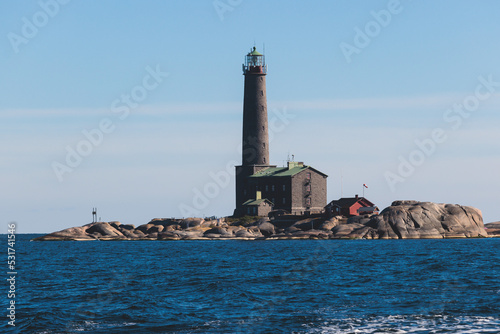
(357, 196)
(293, 164)
(258, 195)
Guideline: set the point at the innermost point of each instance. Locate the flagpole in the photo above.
(363, 190)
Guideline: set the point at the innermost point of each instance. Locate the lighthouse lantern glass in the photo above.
(254, 60)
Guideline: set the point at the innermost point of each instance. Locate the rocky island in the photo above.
(401, 220)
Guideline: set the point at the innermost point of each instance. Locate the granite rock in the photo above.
(493, 229)
(104, 230)
(191, 222)
(416, 220)
(69, 234)
(266, 228)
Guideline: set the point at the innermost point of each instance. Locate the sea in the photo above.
(273, 286)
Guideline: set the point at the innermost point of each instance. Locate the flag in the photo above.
(364, 185)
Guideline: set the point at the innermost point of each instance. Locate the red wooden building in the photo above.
(350, 206)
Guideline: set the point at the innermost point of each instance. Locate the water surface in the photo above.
(285, 286)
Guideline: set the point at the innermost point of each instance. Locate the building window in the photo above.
(308, 201)
(308, 176)
(254, 210)
(261, 93)
(272, 187)
(273, 200)
(257, 187)
(284, 187)
(248, 211)
(284, 200)
(308, 188)
(244, 192)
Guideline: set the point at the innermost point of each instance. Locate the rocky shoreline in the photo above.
(401, 220)
(493, 229)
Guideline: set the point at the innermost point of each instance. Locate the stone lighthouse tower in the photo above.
(255, 134)
(255, 150)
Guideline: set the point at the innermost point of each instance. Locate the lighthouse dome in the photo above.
(255, 52)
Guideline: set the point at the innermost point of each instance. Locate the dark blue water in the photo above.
(300, 286)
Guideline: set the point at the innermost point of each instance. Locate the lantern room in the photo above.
(255, 62)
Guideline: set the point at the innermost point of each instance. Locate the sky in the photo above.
(135, 107)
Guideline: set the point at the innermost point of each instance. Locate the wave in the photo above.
(417, 324)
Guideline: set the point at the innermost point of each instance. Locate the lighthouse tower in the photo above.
(255, 134)
(255, 147)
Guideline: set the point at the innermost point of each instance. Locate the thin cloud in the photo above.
(218, 108)
(386, 103)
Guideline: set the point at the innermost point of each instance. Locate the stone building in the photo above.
(258, 206)
(297, 189)
(260, 187)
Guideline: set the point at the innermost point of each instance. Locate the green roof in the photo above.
(255, 201)
(279, 171)
(254, 52)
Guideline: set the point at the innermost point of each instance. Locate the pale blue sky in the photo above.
(353, 118)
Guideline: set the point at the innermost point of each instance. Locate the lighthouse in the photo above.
(255, 141)
(255, 132)
(260, 187)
